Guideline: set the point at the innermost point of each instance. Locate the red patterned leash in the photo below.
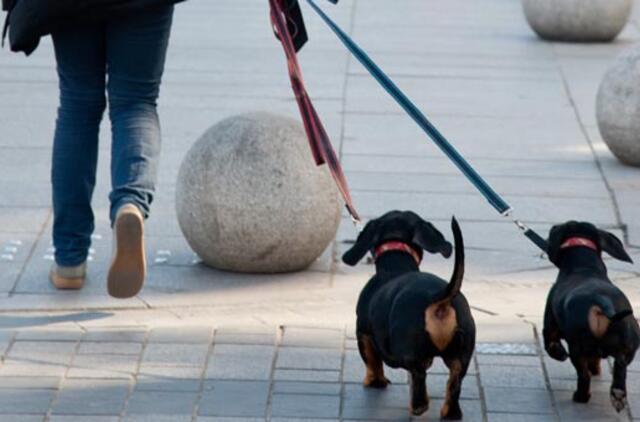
(323, 152)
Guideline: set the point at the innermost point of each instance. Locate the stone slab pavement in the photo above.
(199, 344)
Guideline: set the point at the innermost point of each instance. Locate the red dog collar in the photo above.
(397, 246)
(573, 242)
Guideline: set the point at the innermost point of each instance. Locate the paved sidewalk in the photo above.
(255, 374)
(520, 109)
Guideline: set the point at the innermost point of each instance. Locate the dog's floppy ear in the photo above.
(555, 237)
(366, 240)
(431, 240)
(613, 246)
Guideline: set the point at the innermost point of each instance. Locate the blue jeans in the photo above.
(123, 58)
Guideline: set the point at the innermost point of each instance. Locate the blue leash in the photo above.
(410, 108)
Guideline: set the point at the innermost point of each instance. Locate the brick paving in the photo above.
(235, 374)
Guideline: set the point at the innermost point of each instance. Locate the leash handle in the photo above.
(319, 142)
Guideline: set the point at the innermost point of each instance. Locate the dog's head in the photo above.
(403, 226)
(604, 241)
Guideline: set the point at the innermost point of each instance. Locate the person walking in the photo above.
(117, 61)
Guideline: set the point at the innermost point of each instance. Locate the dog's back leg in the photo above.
(551, 336)
(594, 366)
(583, 392)
(419, 397)
(375, 370)
(451, 407)
(619, 385)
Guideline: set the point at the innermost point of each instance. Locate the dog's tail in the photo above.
(453, 288)
(595, 313)
(608, 309)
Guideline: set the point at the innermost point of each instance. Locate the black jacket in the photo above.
(29, 20)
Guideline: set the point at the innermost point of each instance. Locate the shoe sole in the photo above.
(63, 283)
(128, 268)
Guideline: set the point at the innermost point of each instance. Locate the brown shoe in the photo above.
(68, 278)
(128, 265)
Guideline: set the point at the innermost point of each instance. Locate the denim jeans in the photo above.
(123, 60)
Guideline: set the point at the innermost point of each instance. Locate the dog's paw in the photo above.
(580, 397)
(451, 413)
(557, 351)
(419, 410)
(618, 399)
(379, 383)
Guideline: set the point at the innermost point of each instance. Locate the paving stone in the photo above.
(301, 420)
(520, 417)
(42, 352)
(23, 369)
(83, 418)
(103, 366)
(510, 360)
(308, 388)
(227, 419)
(157, 418)
(245, 338)
(35, 382)
(182, 335)
(312, 337)
(512, 376)
(234, 398)
(107, 348)
(598, 409)
(313, 406)
(160, 383)
(175, 354)
(506, 349)
(240, 362)
(162, 403)
(307, 358)
(517, 400)
(17, 401)
(50, 335)
(115, 335)
(23, 418)
(171, 372)
(373, 404)
(91, 397)
(306, 375)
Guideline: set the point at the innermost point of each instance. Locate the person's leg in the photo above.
(80, 56)
(136, 51)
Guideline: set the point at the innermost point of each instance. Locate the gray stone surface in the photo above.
(577, 20)
(249, 199)
(618, 107)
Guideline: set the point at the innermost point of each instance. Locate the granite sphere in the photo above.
(249, 197)
(618, 107)
(577, 20)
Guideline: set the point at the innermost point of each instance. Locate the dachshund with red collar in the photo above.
(406, 317)
(587, 310)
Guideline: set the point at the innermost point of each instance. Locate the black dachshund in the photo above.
(405, 317)
(585, 309)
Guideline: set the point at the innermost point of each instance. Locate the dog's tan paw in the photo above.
(451, 413)
(618, 399)
(379, 383)
(419, 410)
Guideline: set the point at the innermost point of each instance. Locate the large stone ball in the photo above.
(618, 107)
(577, 20)
(250, 198)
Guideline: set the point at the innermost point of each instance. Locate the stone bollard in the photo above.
(618, 107)
(577, 20)
(249, 197)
